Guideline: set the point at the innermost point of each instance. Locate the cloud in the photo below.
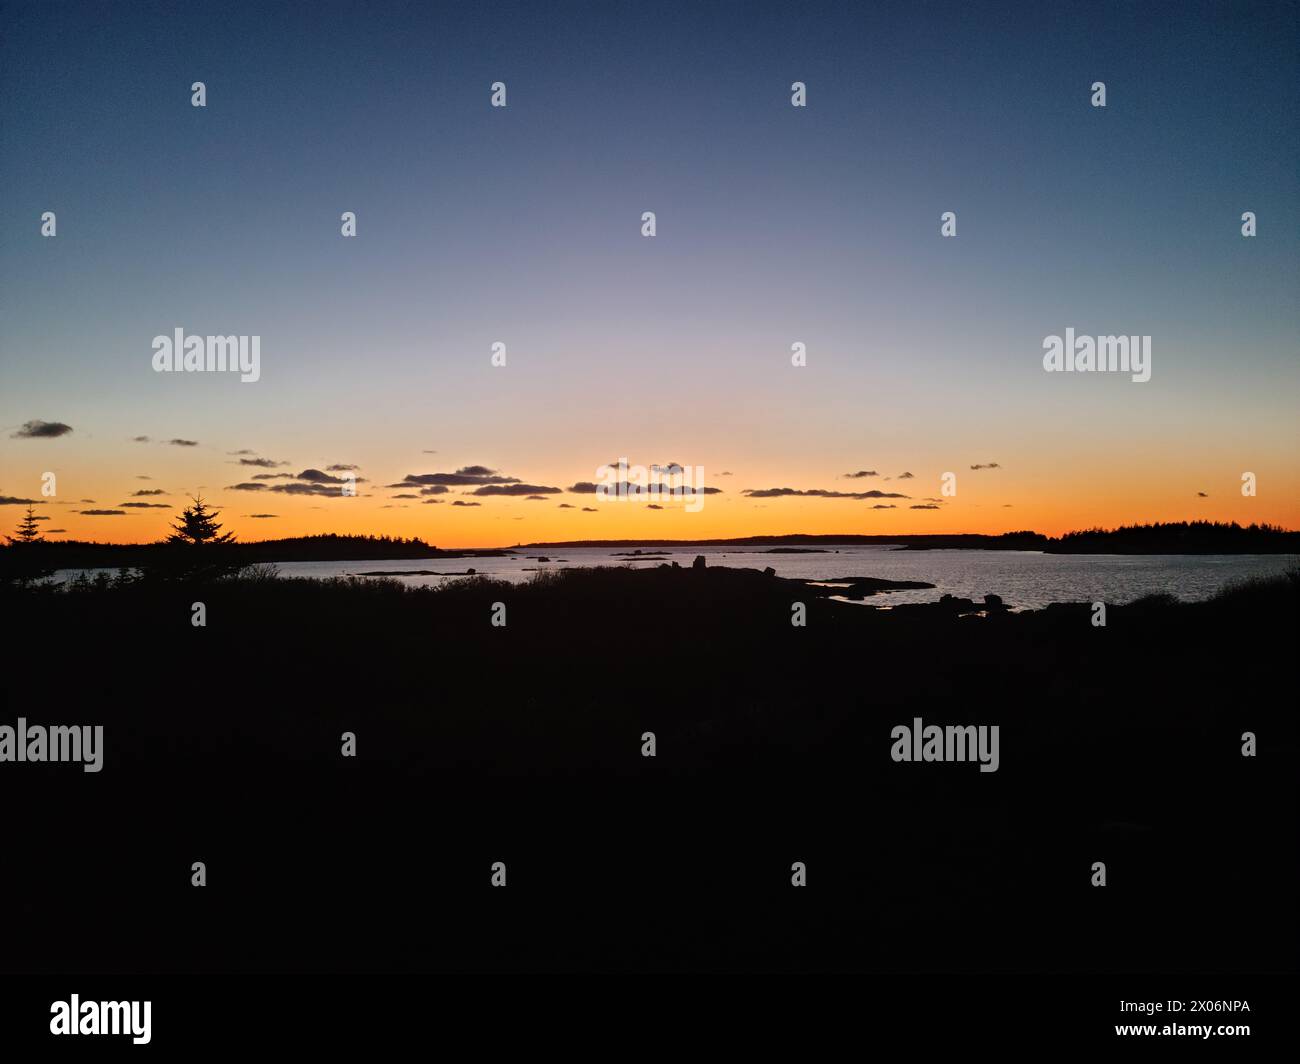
(428, 452)
(459, 502)
(147, 505)
(653, 506)
(51, 531)
(184, 443)
(41, 430)
(466, 476)
(263, 463)
(142, 476)
(862, 473)
(885, 506)
(406, 496)
(515, 489)
(147, 491)
(725, 474)
(589, 510)
(987, 465)
(242, 450)
(904, 476)
(140, 439)
(246, 486)
(586, 487)
(925, 506)
(316, 476)
(340, 467)
(10, 500)
(820, 493)
(566, 506)
(102, 513)
(273, 476)
(433, 502)
(1201, 495)
(535, 498)
(330, 488)
(263, 515)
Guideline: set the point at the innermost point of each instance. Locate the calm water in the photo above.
(1022, 578)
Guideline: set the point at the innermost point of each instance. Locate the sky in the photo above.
(522, 225)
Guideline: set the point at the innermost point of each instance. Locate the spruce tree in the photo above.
(27, 530)
(198, 525)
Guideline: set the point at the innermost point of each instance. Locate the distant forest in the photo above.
(1183, 537)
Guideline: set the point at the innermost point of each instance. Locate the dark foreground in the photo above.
(522, 744)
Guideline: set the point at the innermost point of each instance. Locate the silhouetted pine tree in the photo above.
(198, 525)
(27, 530)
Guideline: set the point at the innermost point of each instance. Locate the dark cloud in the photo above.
(242, 450)
(653, 506)
(41, 430)
(341, 467)
(316, 476)
(273, 476)
(726, 474)
(884, 506)
(987, 465)
(147, 491)
(184, 443)
(140, 439)
(261, 463)
(102, 513)
(433, 502)
(586, 487)
(51, 531)
(246, 486)
(904, 476)
(566, 506)
(862, 473)
(925, 506)
(589, 510)
(407, 496)
(467, 476)
(10, 500)
(458, 502)
(146, 505)
(1201, 495)
(263, 515)
(535, 498)
(515, 489)
(820, 493)
(329, 488)
(142, 476)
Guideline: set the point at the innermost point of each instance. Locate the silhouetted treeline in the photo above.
(1180, 537)
(76, 554)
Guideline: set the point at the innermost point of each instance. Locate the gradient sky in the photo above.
(775, 225)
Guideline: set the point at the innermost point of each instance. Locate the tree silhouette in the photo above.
(27, 530)
(198, 525)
